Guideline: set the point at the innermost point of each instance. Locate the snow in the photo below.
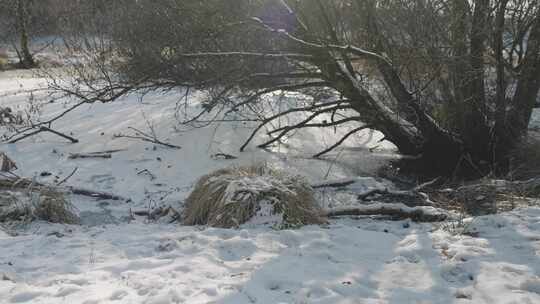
(349, 261)
(113, 258)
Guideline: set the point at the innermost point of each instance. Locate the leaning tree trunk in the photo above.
(466, 148)
(421, 137)
(472, 149)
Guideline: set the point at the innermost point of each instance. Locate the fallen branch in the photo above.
(410, 198)
(427, 184)
(68, 177)
(334, 184)
(89, 155)
(24, 184)
(158, 213)
(341, 141)
(372, 192)
(224, 156)
(40, 130)
(147, 172)
(141, 213)
(98, 154)
(96, 194)
(396, 211)
(140, 135)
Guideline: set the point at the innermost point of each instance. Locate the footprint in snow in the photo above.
(103, 181)
(456, 274)
(118, 295)
(212, 292)
(26, 297)
(66, 291)
(532, 286)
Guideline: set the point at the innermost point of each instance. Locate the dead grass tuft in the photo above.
(21, 202)
(3, 60)
(231, 197)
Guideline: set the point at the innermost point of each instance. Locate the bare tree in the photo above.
(450, 82)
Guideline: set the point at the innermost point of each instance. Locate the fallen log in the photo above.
(23, 184)
(396, 211)
(98, 154)
(411, 198)
(334, 184)
(89, 155)
(96, 194)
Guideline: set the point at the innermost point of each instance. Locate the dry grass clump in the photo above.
(3, 60)
(53, 207)
(19, 203)
(231, 197)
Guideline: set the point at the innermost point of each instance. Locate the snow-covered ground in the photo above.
(113, 258)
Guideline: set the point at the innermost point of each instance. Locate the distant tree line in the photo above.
(23, 21)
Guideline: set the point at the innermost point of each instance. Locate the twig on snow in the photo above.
(68, 177)
(140, 135)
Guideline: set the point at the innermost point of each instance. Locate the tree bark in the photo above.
(26, 58)
(528, 85)
(499, 146)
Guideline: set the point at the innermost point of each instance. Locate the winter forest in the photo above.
(270, 151)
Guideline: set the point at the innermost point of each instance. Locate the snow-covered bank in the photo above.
(115, 258)
(349, 261)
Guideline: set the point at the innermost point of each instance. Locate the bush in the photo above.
(231, 197)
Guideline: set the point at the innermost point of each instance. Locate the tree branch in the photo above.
(302, 124)
(284, 113)
(341, 141)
